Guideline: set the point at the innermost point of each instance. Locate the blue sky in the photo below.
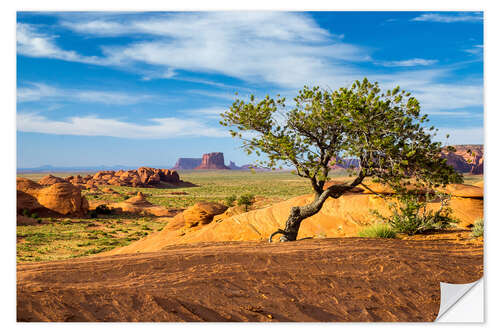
(147, 88)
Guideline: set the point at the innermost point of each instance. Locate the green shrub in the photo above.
(410, 214)
(246, 200)
(34, 215)
(26, 212)
(378, 230)
(103, 210)
(230, 200)
(478, 228)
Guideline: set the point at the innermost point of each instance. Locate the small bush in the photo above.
(230, 200)
(246, 200)
(410, 214)
(378, 230)
(34, 216)
(478, 228)
(26, 212)
(103, 210)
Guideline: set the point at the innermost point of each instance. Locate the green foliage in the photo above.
(230, 200)
(246, 200)
(410, 215)
(384, 131)
(478, 228)
(378, 230)
(34, 216)
(26, 212)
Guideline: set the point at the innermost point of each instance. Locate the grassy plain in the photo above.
(55, 239)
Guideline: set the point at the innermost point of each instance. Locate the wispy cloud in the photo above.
(450, 18)
(288, 49)
(409, 62)
(32, 43)
(41, 91)
(158, 128)
(475, 50)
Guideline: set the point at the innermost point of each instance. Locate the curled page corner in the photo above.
(455, 304)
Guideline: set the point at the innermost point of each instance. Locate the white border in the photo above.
(8, 70)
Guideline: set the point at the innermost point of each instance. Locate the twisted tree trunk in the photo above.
(298, 214)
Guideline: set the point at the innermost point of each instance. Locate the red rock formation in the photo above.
(212, 161)
(57, 199)
(50, 180)
(466, 159)
(142, 177)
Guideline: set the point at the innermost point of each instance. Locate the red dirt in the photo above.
(338, 279)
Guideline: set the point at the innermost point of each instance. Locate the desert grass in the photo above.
(478, 228)
(65, 238)
(378, 230)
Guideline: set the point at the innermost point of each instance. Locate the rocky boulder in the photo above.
(58, 199)
(202, 213)
(142, 177)
(50, 180)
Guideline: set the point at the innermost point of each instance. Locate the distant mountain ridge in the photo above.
(51, 168)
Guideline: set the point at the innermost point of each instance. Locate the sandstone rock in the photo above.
(50, 180)
(342, 217)
(57, 199)
(140, 206)
(212, 161)
(466, 162)
(202, 213)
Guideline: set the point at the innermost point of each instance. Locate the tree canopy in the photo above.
(384, 131)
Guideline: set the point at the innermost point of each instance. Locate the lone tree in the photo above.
(385, 132)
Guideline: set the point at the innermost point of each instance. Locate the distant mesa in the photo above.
(184, 163)
(212, 161)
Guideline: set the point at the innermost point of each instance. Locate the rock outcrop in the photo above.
(342, 217)
(58, 199)
(50, 180)
(142, 177)
(137, 205)
(466, 159)
(212, 161)
(202, 213)
(187, 163)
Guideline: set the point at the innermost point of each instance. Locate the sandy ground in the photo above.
(338, 279)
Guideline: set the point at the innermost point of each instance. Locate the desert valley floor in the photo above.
(136, 267)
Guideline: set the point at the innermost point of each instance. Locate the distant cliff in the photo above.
(187, 163)
(466, 159)
(212, 161)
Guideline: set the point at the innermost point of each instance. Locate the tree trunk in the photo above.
(298, 214)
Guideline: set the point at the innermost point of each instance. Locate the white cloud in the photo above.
(160, 128)
(435, 96)
(288, 49)
(409, 63)
(460, 136)
(40, 91)
(34, 44)
(450, 18)
(476, 50)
